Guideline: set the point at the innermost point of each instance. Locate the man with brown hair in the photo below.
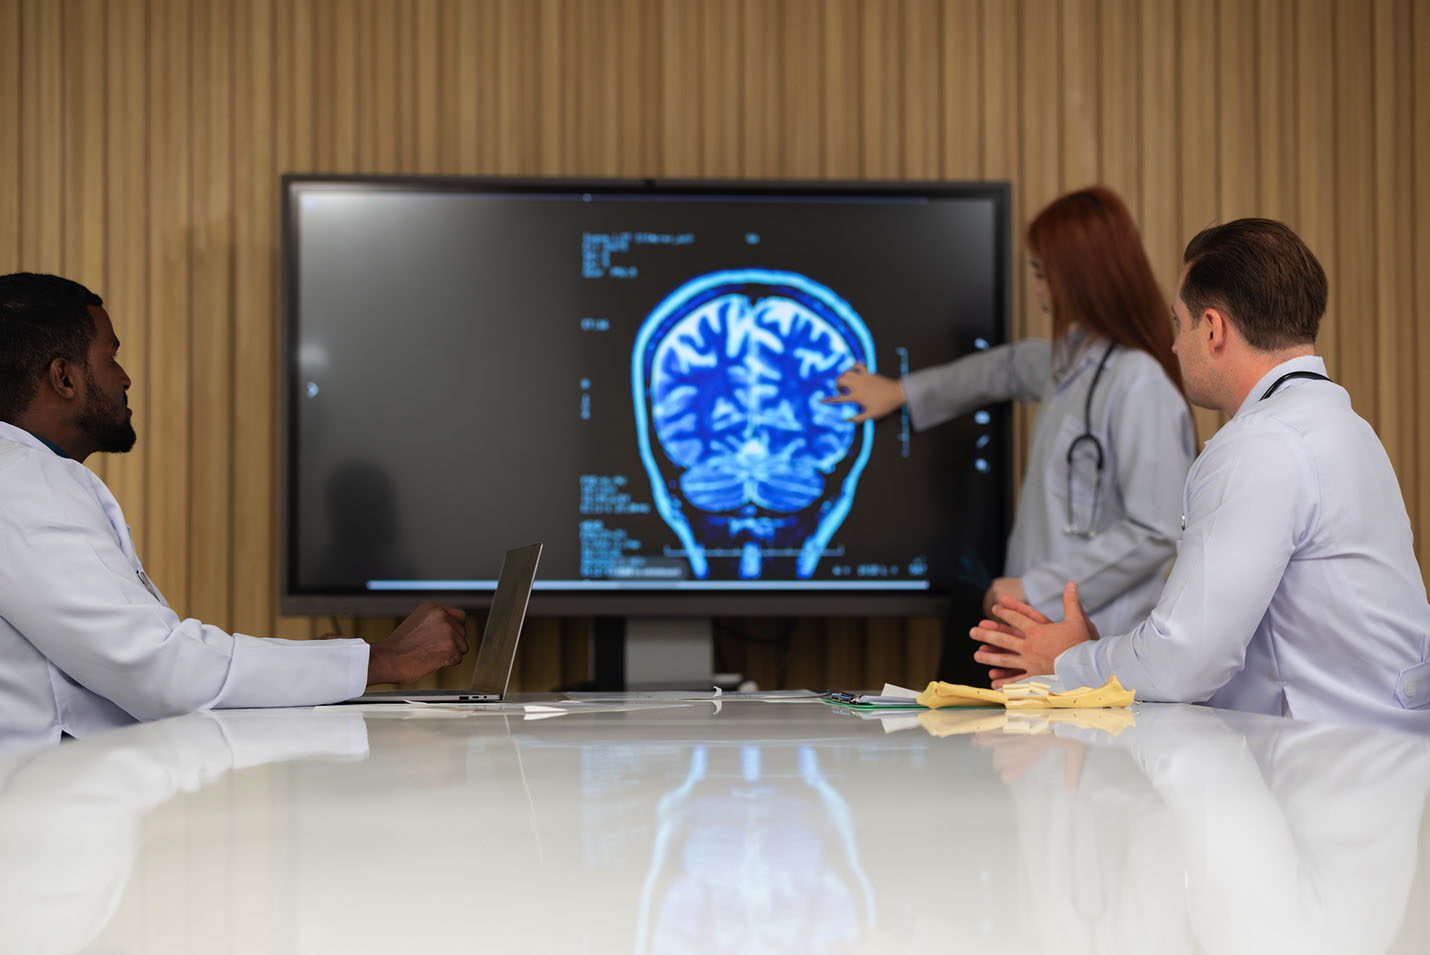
(1295, 589)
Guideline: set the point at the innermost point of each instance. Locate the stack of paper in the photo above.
(1026, 694)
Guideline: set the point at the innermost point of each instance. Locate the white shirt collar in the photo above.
(1305, 363)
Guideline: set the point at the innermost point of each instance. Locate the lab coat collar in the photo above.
(1074, 353)
(102, 494)
(21, 436)
(1305, 363)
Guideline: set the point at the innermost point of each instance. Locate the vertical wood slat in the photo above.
(713, 120)
(1200, 76)
(1080, 99)
(293, 108)
(920, 91)
(82, 160)
(800, 71)
(1162, 233)
(1353, 288)
(212, 391)
(960, 116)
(841, 117)
(1395, 340)
(41, 142)
(761, 90)
(1315, 152)
(382, 111)
(167, 446)
(1276, 116)
(12, 97)
(1196, 110)
(429, 109)
(1119, 119)
(1238, 122)
(1420, 223)
(255, 281)
(126, 201)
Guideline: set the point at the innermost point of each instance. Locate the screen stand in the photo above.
(656, 653)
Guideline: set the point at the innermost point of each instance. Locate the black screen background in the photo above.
(444, 332)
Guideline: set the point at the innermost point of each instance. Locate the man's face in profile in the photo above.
(106, 417)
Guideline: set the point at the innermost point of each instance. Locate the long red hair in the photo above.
(1098, 274)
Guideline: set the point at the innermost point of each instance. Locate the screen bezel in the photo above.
(576, 602)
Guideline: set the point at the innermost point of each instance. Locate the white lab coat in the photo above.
(1142, 422)
(88, 643)
(1296, 589)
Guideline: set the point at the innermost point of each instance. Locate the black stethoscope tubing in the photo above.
(1288, 376)
(1087, 437)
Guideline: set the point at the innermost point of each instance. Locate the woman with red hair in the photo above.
(1102, 498)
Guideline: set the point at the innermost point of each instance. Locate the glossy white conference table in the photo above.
(763, 827)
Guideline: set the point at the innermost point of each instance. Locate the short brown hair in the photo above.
(1262, 276)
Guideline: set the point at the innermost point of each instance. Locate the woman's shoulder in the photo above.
(1135, 366)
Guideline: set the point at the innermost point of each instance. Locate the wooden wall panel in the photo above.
(1395, 339)
(41, 139)
(1081, 56)
(961, 120)
(1119, 101)
(842, 134)
(1353, 300)
(125, 206)
(12, 91)
(141, 143)
(164, 538)
(255, 281)
(1417, 484)
(1162, 151)
(213, 390)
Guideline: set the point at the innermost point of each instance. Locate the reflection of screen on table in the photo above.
(634, 375)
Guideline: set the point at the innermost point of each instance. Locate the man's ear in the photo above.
(62, 378)
(1217, 330)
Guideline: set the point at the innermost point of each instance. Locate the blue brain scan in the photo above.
(747, 464)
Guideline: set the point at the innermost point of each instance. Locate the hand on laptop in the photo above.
(434, 636)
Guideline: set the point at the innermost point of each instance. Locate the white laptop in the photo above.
(499, 639)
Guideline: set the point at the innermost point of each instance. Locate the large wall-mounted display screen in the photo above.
(633, 374)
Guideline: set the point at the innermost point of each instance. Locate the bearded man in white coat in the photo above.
(1295, 589)
(87, 642)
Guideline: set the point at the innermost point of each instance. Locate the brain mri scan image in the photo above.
(748, 466)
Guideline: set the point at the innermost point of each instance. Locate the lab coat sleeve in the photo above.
(66, 585)
(1151, 431)
(1018, 371)
(1251, 500)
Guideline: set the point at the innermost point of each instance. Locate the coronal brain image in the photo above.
(746, 461)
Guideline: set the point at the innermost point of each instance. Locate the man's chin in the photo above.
(116, 441)
(124, 443)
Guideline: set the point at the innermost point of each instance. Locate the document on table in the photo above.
(891, 697)
(692, 696)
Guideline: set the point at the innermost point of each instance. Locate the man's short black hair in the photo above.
(42, 317)
(1262, 276)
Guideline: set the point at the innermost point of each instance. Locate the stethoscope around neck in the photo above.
(1087, 439)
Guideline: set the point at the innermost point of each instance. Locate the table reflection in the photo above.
(70, 814)
(1210, 831)
(761, 828)
(755, 852)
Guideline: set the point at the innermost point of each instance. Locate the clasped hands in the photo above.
(1023, 642)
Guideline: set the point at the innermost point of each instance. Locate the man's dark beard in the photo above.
(110, 428)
